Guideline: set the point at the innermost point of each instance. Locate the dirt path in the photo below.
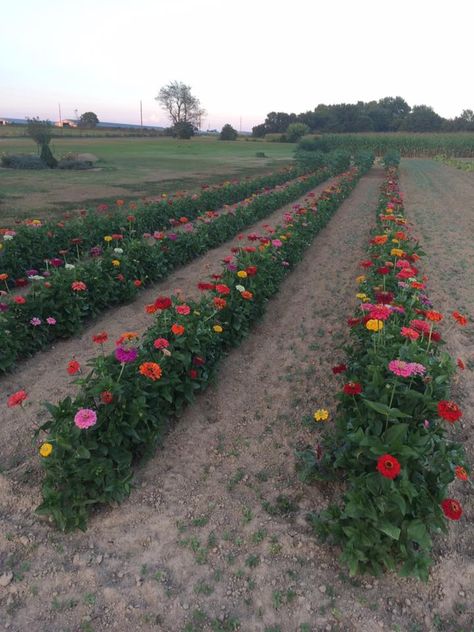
(440, 202)
(203, 543)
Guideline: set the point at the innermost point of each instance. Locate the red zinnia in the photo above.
(352, 388)
(73, 367)
(462, 320)
(151, 308)
(198, 361)
(460, 364)
(193, 374)
(251, 270)
(178, 330)
(388, 466)
(383, 270)
(451, 508)
(163, 302)
(339, 368)
(100, 338)
(449, 410)
(205, 286)
(16, 399)
(78, 286)
(219, 303)
(460, 473)
(137, 283)
(222, 289)
(433, 316)
(366, 264)
(161, 343)
(106, 397)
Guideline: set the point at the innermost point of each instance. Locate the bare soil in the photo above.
(202, 544)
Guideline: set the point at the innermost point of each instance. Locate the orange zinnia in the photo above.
(246, 295)
(462, 320)
(219, 303)
(152, 370)
(433, 316)
(178, 330)
(151, 308)
(126, 337)
(379, 240)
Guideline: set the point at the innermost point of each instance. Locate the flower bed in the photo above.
(126, 402)
(57, 308)
(27, 246)
(390, 445)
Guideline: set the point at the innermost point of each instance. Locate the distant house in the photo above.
(4, 122)
(66, 123)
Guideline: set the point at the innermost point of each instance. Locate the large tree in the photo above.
(88, 120)
(181, 105)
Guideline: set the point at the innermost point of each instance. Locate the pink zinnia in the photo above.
(183, 309)
(35, 321)
(277, 243)
(420, 325)
(85, 418)
(380, 312)
(50, 320)
(161, 343)
(400, 368)
(408, 332)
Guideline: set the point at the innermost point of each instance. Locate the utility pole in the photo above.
(141, 115)
(60, 118)
(240, 128)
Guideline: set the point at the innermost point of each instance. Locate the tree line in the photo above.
(390, 114)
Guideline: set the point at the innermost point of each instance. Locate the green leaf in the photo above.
(395, 433)
(418, 532)
(390, 530)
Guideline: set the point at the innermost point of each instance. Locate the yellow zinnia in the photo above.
(397, 252)
(374, 325)
(321, 415)
(218, 329)
(361, 296)
(108, 238)
(46, 449)
(360, 278)
(242, 274)
(115, 262)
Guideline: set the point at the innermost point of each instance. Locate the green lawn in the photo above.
(129, 168)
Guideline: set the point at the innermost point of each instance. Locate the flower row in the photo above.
(57, 308)
(28, 246)
(389, 445)
(127, 400)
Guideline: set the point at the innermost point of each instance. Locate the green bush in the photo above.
(22, 161)
(228, 133)
(391, 158)
(296, 131)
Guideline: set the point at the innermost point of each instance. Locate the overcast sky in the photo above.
(242, 58)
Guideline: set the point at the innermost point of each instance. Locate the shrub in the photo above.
(391, 158)
(228, 133)
(69, 163)
(22, 161)
(296, 131)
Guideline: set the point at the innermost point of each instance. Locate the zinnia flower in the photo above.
(152, 370)
(50, 320)
(100, 338)
(46, 449)
(460, 364)
(35, 321)
(352, 388)
(388, 466)
(218, 329)
(78, 286)
(246, 295)
(433, 316)
(16, 399)
(222, 289)
(339, 368)
(462, 320)
(85, 418)
(460, 473)
(451, 508)
(184, 310)
(251, 270)
(242, 274)
(73, 367)
(178, 330)
(151, 308)
(106, 397)
(219, 303)
(321, 415)
(126, 355)
(163, 302)
(374, 325)
(408, 332)
(449, 410)
(161, 343)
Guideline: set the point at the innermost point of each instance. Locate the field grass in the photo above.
(128, 168)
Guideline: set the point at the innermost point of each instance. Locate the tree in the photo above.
(422, 118)
(228, 133)
(88, 120)
(258, 131)
(296, 131)
(181, 105)
(41, 132)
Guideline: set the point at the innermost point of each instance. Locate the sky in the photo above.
(241, 58)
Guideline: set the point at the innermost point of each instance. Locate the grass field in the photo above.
(128, 168)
